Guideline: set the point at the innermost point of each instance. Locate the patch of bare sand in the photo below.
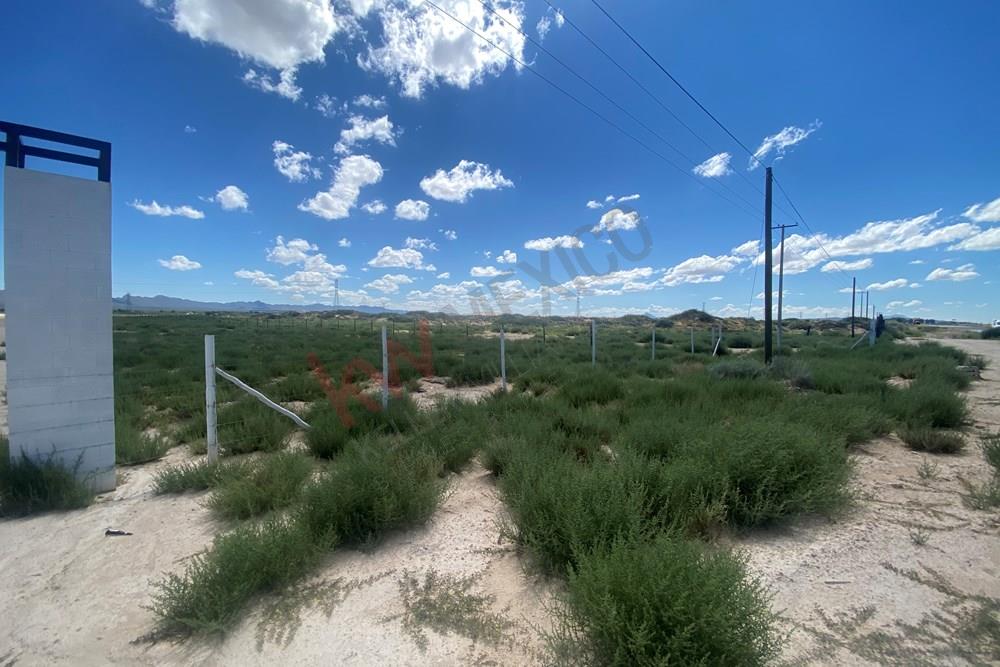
(70, 595)
(863, 590)
(434, 390)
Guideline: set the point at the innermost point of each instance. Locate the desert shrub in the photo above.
(561, 507)
(247, 425)
(470, 373)
(928, 402)
(455, 435)
(269, 483)
(197, 476)
(855, 418)
(133, 446)
(753, 470)
(539, 379)
(991, 333)
(935, 441)
(740, 341)
(668, 602)
(28, 486)
(329, 432)
(737, 368)
(254, 558)
(990, 445)
(374, 487)
(327, 435)
(793, 371)
(591, 385)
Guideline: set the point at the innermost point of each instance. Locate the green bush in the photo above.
(246, 425)
(374, 487)
(928, 402)
(737, 368)
(215, 585)
(28, 486)
(793, 371)
(991, 333)
(269, 482)
(668, 602)
(329, 433)
(198, 476)
(471, 373)
(990, 445)
(926, 439)
(592, 385)
(561, 507)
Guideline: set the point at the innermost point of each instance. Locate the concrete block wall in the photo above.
(60, 368)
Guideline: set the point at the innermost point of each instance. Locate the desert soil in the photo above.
(70, 595)
(860, 590)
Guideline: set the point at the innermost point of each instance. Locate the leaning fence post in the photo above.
(211, 423)
(652, 356)
(593, 343)
(503, 361)
(385, 370)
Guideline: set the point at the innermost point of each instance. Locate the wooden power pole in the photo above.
(768, 267)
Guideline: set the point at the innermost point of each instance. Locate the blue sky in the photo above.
(291, 143)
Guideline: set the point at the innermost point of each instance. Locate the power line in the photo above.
(573, 97)
(612, 101)
(676, 82)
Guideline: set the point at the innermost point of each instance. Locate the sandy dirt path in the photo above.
(70, 595)
(862, 590)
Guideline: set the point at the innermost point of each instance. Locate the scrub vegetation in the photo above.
(618, 478)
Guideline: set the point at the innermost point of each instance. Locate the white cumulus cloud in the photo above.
(375, 207)
(353, 173)
(779, 142)
(507, 257)
(363, 129)
(292, 164)
(988, 212)
(487, 272)
(715, 166)
(962, 273)
(988, 240)
(616, 219)
(232, 198)
(549, 242)
(400, 258)
(461, 180)
(153, 208)
(422, 47)
(179, 263)
(413, 209)
(838, 265)
(390, 282)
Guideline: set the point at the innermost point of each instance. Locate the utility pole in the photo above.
(862, 309)
(768, 267)
(854, 291)
(868, 303)
(781, 277)
(336, 292)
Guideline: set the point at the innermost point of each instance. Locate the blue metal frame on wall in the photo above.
(17, 150)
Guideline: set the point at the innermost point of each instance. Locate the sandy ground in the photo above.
(860, 590)
(70, 595)
(434, 390)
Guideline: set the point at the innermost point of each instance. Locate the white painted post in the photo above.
(211, 431)
(385, 370)
(503, 361)
(692, 340)
(593, 343)
(652, 354)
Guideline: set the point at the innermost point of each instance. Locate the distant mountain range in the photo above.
(162, 302)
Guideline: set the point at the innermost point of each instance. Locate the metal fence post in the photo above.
(692, 340)
(211, 422)
(503, 361)
(593, 343)
(385, 370)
